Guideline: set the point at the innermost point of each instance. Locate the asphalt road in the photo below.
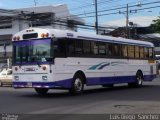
(94, 100)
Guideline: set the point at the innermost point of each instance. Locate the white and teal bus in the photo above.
(61, 59)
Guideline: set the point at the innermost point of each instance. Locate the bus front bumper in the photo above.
(58, 84)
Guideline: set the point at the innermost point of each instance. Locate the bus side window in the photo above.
(116, 50)
(71, 46)
(141, 52)
(94, 48)
(131, 51)
(102, 48)
(86, 47)
(78, 46)
(110, 49)
(150, 52)
(124, 51)
(137, 52)
(146, 52)
(61, 48)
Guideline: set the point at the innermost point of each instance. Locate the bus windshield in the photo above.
(32, 51)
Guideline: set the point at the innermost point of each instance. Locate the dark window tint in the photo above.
(60, 48)
(86, 47)
(70, 45)
(124, 51)
(116, 50)
(137, 52)
(79, 47)
(131, 51)
(102, 48)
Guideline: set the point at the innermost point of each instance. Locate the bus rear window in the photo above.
(29, 36)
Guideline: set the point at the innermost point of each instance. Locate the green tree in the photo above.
(156, 25)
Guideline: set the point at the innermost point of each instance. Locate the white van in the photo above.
(6, 77)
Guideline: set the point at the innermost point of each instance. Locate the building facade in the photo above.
(13, 21)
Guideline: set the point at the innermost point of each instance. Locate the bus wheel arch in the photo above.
(79, 72)
(79, 79)
(138, 79)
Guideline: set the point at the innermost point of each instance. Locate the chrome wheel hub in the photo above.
(78, 84)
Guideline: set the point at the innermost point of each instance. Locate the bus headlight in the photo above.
(16, 78)
(44, 77)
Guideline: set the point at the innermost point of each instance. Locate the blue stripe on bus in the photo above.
(90, 81)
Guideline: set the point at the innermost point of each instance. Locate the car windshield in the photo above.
(31, 51)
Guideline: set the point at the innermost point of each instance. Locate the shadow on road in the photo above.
(146, 93)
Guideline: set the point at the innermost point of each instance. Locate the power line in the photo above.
(106, 10)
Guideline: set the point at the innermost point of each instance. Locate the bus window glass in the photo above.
(146, 52)
(137, 52)
(110, 49)
(141, 52)
(40, 51)
(21, 52)
(86, 47)
(102, 49)
(116, 50)
(60, 48)
(124, 51)
(78, 46)
(150, 52)
(131, 51)
(94, 48)
(71, 46)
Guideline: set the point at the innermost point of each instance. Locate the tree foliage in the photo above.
(156, 25)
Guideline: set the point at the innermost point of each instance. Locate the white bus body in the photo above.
(37, 64)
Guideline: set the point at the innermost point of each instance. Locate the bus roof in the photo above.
(83, 35)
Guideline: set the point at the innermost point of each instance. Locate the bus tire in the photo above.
(77, 85)
(1, 84)
(109, 85)
(139, 80)
(41, 91)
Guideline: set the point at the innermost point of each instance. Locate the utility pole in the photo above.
(96, 11)
(127, 22)
(35, 2)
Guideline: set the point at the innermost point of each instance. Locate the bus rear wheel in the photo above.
(77, 85)
(138, 82)
(41, 91)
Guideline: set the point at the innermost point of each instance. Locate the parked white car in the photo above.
(6, 77)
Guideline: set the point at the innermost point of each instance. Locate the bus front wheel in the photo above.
(41, 91)
(77, 85)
